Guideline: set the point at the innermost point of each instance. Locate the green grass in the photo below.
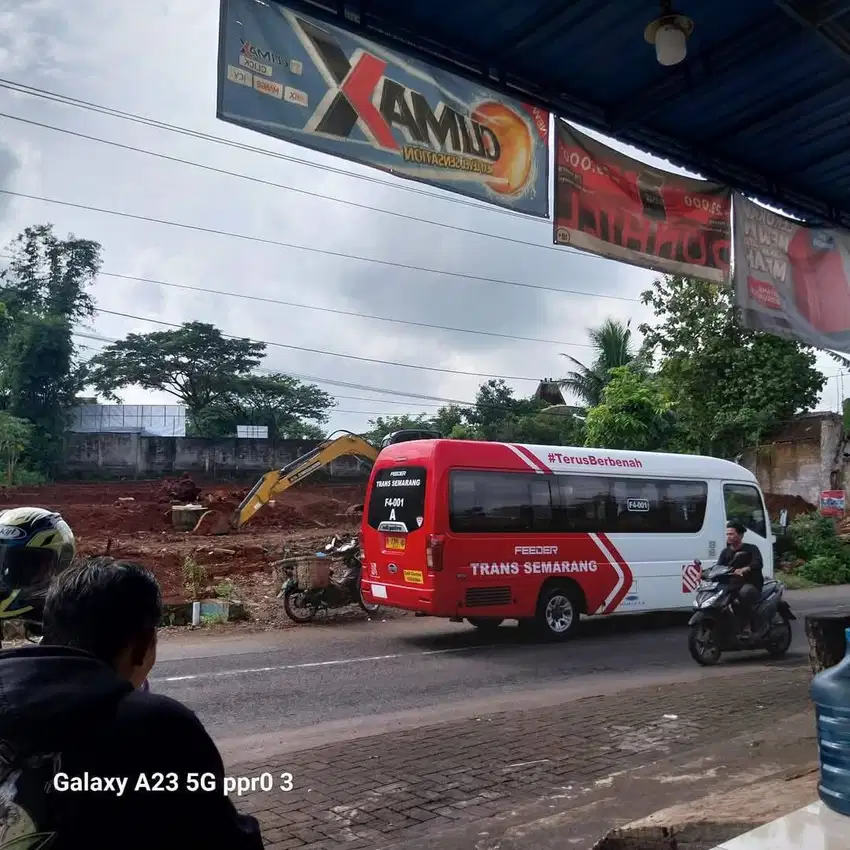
(793, 581)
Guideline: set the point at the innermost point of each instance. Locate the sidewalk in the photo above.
(399, 787)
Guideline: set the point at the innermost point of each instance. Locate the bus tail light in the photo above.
(434, 552)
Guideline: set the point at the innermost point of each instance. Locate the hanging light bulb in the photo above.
(669, 33)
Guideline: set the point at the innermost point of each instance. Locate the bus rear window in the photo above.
(397, 502)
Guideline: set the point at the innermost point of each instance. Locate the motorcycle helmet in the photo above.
(35, 544)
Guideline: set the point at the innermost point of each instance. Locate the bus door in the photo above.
(396, 560)
(744, 504)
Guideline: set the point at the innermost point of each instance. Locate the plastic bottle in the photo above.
(830, 692)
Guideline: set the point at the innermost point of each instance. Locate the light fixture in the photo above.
(669, 33)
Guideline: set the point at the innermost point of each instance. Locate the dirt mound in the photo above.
(117, 518)
(795, 505)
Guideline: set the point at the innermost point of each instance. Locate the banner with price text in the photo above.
(609, 204)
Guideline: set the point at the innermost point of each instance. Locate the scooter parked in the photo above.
(302, 598)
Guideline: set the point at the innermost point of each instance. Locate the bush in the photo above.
(29, 477)
(812, 535)
(826, 569)
(815, 541)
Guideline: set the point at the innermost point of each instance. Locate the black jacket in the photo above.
(748, 555)
(65, 703)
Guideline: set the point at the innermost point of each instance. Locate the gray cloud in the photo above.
(160, 61)
(10, 166)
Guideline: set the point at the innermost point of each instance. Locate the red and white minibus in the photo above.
(543, 534)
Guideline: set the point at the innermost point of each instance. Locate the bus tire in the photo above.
(558, 612)
(487, 625)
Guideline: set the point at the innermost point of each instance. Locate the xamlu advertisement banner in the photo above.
(792, 279)
(617, 207)
(313, 84)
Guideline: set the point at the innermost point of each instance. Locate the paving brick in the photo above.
(371, 792)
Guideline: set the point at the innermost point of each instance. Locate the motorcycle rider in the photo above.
(35, 545)
(747, 560)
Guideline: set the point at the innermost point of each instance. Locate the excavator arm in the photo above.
(276, 481)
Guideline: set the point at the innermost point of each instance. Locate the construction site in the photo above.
(133, 520)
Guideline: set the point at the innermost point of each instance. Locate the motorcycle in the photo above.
(715, 627)
(344, 588)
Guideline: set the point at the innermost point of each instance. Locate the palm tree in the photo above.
(612, 344)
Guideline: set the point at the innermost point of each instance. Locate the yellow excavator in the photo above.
(273, 483)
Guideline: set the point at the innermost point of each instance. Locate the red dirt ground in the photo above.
(133, 519)
(795, 505)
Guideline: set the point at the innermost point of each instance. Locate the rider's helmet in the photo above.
(35, 544)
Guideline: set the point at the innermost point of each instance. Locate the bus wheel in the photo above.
(558, 613)
(485, 624)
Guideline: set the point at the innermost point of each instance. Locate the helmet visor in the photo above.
(22, 567)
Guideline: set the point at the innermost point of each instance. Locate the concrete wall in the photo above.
(114, 455)
(803, 460)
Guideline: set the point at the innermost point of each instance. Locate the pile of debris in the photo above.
(183, 491)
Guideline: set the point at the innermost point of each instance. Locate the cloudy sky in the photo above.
(158, 59)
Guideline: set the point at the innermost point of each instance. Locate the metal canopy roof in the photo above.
(762, 102)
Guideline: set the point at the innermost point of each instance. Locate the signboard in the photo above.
(614, 206)
(791, 279)
(832, 503)
(313, 84)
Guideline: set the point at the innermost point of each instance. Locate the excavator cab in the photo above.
(409, 434)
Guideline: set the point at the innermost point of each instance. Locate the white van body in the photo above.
(663, 577)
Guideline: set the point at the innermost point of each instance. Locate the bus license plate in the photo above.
(414, 577)
(397, 543)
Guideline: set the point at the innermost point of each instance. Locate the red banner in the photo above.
(792, 279)
(612, 205)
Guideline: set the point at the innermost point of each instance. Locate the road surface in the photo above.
(364, 677)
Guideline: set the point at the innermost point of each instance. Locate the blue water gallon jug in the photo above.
(830, 693)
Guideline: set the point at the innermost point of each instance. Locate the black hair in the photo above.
(737, 526)
(102, 606)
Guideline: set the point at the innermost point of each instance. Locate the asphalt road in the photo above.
(292, 688)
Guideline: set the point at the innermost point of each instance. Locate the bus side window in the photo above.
(744, 505)
(484, 501)
(540, 496)
(585, 503)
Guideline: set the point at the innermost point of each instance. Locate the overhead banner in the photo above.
(313, 84)
(612, 205)
(792, 279)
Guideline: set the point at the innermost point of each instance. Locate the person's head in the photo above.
(35, 544)
(735, 534)
(109, 608)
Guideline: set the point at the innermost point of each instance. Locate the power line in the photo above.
(67, 100)
(431, 401)
(353, 313)
(193, 164)
(326, 251)
(333, 353)
(442, 401)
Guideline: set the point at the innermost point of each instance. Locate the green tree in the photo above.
(15, 436)
(195, 363)
(612, 347)
(498, 415)
(635, 413)
(49, 276)
(45, 292)
(730, 387)
(383, 425)
(289, 408)
(448, 419)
